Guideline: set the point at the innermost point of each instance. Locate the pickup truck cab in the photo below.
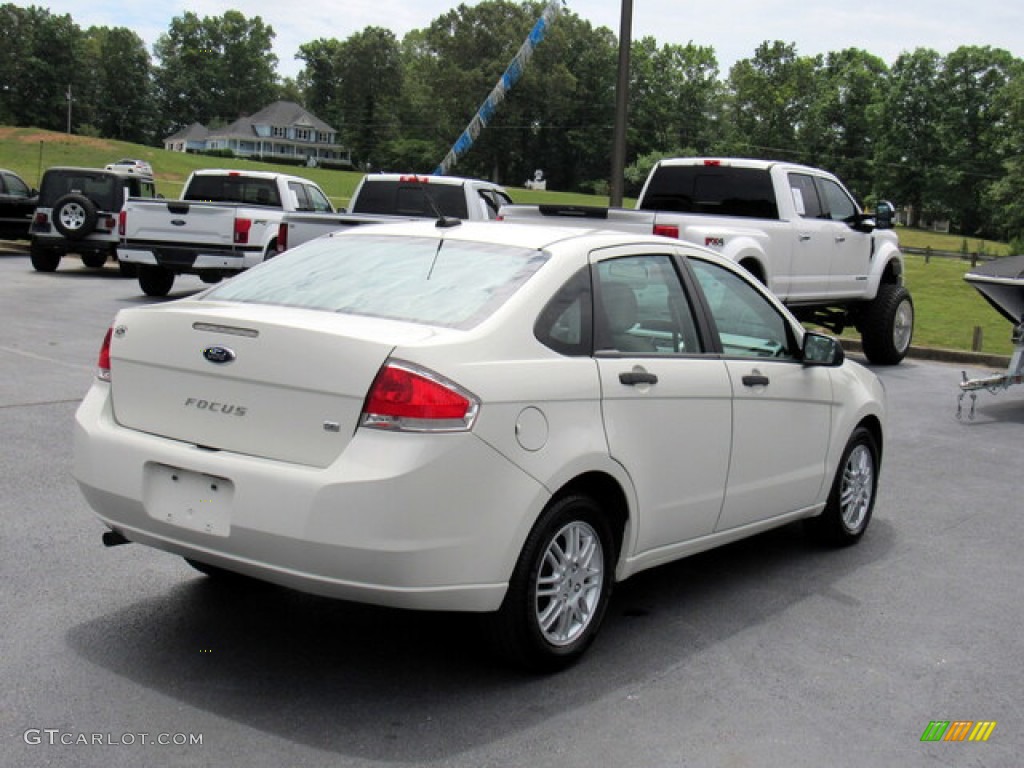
(386, 197)
(226, 221)
(796, 228)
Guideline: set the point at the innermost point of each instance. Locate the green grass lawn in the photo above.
(947, 308)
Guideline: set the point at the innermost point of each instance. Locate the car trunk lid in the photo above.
(273, 382)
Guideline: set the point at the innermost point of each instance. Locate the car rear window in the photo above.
(448, 283)
(103, 189)
(408, 198)
(713, 189)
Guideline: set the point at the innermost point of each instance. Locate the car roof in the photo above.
(531, 236)
(425, 178)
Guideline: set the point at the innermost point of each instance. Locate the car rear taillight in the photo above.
(667, 230)
(282, 237)
(122, 222)
(103, 364)
(41, 218)
(407, 398)
(242, 227)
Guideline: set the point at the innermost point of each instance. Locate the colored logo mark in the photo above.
(958, 730)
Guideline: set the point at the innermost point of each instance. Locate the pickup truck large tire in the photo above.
(888, 325)
(155, 281)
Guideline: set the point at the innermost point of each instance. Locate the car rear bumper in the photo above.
(407, 520)
(191, 260)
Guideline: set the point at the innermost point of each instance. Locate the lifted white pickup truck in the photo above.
(385, 197)
(796, 228)
(226, 221)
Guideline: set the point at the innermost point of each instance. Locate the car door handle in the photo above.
(804, 237)
(632, 378)
(840, 239)
(756, 380)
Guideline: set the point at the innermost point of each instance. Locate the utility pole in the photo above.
(68, 97)
(621, 104)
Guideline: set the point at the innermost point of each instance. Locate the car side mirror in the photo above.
(884, 214)
(819, 349)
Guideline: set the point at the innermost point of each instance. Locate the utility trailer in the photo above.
(1001, 283)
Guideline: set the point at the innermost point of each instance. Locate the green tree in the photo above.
(972, 129)
(674, 97)
(370, 83)
(40, 55)
(771, 98)
(909, 152)
(842, 121)
(215, 69)
(1003, 197)
(120, 95)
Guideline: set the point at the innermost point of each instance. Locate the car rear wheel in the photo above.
(852, 498)
(94, 260)
(75, 216)
(44, 259)
(155, 281)
(560, 588)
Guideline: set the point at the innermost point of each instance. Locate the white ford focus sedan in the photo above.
(486, 417)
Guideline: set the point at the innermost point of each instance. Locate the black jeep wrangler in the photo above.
(77, 212)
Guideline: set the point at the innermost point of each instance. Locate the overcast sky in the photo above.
(734, 28)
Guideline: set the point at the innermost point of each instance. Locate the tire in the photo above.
(560, 588)
(155, 281)
(44, 259)
(95, 260)
(852, 498)
(888, 325)
(74, 216)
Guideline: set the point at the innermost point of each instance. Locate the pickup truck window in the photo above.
(840, 206)
(411, 199)
(805, 196)
(234, 189)
(718, 190)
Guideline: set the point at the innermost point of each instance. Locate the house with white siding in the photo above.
(282, 131)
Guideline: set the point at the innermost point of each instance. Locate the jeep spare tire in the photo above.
(74, 216)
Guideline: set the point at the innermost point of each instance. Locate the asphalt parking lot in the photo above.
(769, 652)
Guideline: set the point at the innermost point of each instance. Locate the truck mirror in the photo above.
(884, 213)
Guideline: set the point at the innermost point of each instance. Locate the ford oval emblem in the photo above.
(219, 355)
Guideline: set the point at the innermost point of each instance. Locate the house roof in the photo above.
(280, 113)
(192, 132)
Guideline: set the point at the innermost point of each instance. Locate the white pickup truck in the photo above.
(384, 197)
(796, 228)
(226, 221)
